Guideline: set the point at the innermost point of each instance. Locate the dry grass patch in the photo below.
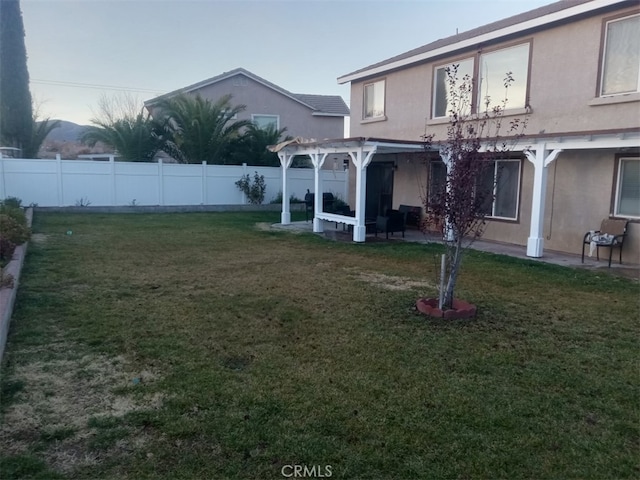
(390, 282)
(61, 396)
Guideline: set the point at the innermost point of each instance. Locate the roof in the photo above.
(542, 17)
(322, 105)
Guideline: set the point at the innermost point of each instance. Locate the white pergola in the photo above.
(540, 151)
(359, 151)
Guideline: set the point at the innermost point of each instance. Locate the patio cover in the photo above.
(540, 150)
(359, 151)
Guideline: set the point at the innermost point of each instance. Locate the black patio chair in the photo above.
(611, 234)
(393, 221)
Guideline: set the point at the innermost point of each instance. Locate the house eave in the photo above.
(517, 28)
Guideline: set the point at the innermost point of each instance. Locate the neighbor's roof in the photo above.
(542, 17)
(322, 105)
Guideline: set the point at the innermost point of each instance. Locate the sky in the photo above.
(81, 50)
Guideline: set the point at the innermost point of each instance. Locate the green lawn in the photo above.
(199, 346)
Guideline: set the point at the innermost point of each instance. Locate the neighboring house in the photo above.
(576, 67)
(303, 115)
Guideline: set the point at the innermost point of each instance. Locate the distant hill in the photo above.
(66, 132)
(65, 141)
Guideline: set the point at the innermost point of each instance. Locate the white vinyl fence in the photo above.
(59, 183)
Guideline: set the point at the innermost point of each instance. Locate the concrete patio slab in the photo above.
(557, 258)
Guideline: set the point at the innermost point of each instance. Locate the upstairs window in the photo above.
(621, 60)
(493, 70)
(485, 75)
(263, 121)
(628, 188)
(447, 92)
(374, 100)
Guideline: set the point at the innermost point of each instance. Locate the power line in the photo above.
(94, 86)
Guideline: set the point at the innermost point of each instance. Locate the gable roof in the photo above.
(539, 18)
(322, 105)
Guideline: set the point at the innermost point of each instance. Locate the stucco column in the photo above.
(540, 158)
(285, 161)
(361, 163)
(317, 159)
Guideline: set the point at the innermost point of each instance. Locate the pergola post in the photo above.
(540, 159)
(317, 159)
(361, 163)
(285, 161)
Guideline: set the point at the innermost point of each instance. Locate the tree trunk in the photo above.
(456, 253)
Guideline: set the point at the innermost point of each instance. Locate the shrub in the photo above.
(11, 202)
(7, 247)
(13, 230)
(253, 190)
(14, 212)
(292, 198)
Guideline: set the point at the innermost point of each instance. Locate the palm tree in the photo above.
(251, 148)
(199, 130)
(39, 131)
(135, 138)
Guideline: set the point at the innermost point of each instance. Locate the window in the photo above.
(621, 62)
(263, 121)
(500, 181)
(446, 91)
(374, 100)
(493, 69)
(628, 188)
(505, 177)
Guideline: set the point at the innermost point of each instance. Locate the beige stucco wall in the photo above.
(564, 73)
(578, 198)
(260, 99)
(562, 93)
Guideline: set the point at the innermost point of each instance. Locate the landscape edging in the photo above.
(8, 295)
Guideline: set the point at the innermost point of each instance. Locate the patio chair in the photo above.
(393, 221)
(413, 214)
(611, 234)
(309, 199)
(308, 204)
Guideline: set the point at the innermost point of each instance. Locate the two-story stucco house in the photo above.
(303, 115)
(576, 70)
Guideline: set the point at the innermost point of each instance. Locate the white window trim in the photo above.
(616, 205)
(384, 101)
(447, 115)
(495, 189)
(277, 117)
(604, 56)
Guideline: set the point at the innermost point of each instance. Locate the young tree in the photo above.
(463, 201)
(199, 130)
(16, 121)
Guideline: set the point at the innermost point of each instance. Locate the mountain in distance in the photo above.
(66, 132)
(65, 141)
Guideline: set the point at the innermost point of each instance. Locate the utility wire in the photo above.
(93, 85)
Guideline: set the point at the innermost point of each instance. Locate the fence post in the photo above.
(204, 182)
(3, 189)
(59, 179)
(244, 172)
(160, 183)
(112, 172)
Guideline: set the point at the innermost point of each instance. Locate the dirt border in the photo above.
(8, 295)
